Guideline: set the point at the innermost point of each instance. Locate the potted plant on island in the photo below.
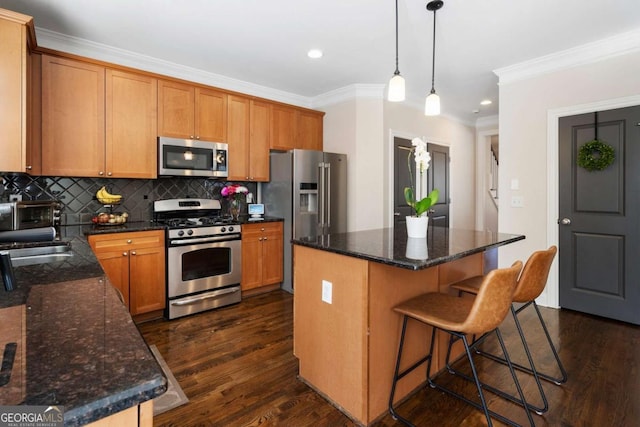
(418, 222)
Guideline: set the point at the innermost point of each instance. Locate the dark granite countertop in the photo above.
(393, 247)
(83, 350)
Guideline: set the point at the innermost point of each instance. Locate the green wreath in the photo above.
(596, 155)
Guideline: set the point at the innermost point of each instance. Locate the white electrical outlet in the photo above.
(15, 197)
(327, 291)
(517, 201)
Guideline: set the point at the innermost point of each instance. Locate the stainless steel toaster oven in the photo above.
(25, 214)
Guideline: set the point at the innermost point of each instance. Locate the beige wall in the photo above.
(406, 121)
(354, 127)
(525, 130)
(363, 128)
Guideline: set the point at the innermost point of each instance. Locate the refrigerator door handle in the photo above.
(321, 195)
(328, 191)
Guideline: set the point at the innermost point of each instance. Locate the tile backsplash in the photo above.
(78, 194)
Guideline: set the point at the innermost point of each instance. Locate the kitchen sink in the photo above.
(39, 255)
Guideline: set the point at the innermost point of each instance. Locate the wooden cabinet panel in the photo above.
(73, 124)
(191, 112)
(147, 280)
(135, 264)
(131, 125)
(310, 130)
(238, 134)
(260, 124)
(16, 35)
(283, 128)
(176, 110)
(248, 138)
(116, 266)
(211, 115)
(262, 255)
(34, 115)
(272, 255)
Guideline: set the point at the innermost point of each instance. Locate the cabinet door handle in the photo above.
(101, 173)
(133, 252)
(259, 239)
(264, 238)
(124, 254)
(129, 241)
(109, 173)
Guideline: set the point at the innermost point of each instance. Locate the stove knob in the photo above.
(230, 229)
(223, 229)
(180, 233)
(189, 232)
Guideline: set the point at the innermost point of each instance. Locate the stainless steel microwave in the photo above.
(188, 157)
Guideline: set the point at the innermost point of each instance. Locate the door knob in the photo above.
(565, 221)
(396, 214)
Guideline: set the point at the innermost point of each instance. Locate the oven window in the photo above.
(208, 262)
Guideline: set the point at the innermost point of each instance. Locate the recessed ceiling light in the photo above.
(485, 102)
(314, 53)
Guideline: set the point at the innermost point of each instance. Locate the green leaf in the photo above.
(408, 196)
(433, 197)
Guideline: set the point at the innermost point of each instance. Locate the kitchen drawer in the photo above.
(123, 241)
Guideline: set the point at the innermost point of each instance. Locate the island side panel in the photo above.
(389, 286)
(330, 340)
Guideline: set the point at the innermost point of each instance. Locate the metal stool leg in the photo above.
(399, 375)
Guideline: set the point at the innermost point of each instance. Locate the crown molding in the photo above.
(346, 93)
(102, 52)
(487, 122)
(600, 50)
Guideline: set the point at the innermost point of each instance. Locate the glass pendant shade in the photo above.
(396, 88)
(432, 104)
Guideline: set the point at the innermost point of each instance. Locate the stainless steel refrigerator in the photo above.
(309, 190)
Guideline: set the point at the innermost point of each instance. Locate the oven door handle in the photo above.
(224, 238)
(198, 299)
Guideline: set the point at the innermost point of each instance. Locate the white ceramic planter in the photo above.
(417, 226)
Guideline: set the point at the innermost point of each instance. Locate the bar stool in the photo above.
(530, 285)
(460, 317)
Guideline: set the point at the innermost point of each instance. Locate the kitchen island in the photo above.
(345, 285)
(77, 346)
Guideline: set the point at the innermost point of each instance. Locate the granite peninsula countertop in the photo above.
(80, 348)
(393, 247)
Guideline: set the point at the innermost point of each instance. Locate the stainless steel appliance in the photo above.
(188, 157)
(309, 190)
(29, 214)
(203, 256)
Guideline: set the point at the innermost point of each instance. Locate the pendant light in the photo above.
(432, 103)
(396, 84)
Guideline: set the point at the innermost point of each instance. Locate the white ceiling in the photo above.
(264, 42)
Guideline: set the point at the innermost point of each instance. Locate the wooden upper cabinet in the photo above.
(97, 122)
(283, 127)
(238, 134)
(248, 138)
(131, 125)
(16, 33)
(295, 128)
(310, 129)
(190, 112)
(260, 125)
(73, 120)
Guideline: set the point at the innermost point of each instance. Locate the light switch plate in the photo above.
(517, 202)
(327, 291)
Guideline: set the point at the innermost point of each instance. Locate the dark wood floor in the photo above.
(237, 367)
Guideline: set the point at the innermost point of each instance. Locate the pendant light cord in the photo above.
(433, 55)
(397, 69)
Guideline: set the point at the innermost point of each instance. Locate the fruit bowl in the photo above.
(104, 218)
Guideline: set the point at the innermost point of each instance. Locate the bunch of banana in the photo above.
(107, 198)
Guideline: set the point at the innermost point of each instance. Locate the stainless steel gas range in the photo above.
(203, 256)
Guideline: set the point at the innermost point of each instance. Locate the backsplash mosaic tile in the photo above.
(78, 194)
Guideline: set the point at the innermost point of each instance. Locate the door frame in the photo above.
(388, 220)
(551, 295)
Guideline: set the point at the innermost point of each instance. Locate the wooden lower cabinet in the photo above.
(135, 265)
(262, 255)
(141, 416)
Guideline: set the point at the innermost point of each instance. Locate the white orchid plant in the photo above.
(422, 159)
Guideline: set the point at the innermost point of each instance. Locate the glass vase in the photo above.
(234, 209)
